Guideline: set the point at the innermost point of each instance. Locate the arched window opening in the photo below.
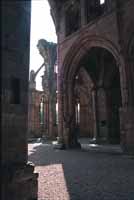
(93, 9)
(77, 113)
(102, 2)
(56, 113)
(41, 112)
(72, 17)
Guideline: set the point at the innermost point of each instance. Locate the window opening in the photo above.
(42, 111)
(93, 9)
(77, 113)
(102, 2)
(15, 91)
(72, 17)
(56, 113)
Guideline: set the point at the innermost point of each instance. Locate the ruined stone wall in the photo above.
(112, 30)
(104, 28)
(34, 126)
(48, 51)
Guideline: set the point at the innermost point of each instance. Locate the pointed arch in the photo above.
(79, 48)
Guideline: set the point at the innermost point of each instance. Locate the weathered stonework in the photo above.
(19, 181)
(105, 26)
(105, 34)
(35, 128)
(45, 125)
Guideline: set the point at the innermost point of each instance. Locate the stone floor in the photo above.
(92, 173)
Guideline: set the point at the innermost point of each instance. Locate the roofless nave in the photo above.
(95, 71)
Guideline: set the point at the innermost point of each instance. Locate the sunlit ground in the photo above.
(52, 184)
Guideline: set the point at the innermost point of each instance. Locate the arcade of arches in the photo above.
(98, 90)
(95, 81)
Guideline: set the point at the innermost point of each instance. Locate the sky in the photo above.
(42, 27)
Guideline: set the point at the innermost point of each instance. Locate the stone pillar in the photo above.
(60, 111)
(94, 104)
(50, 120)
(69, 108)
(127, 110)
(127, 114)
(70, 132)
(127, 129)
(18, 178)
(52, 113)
(47, 118)
(102, 114)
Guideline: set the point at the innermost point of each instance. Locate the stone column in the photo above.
(94, 104)
(127, 110)
(102, 114)
(18, 178)
(70, 134)
(47, 118)
(60, 111)
(127, 129)
(66, 114)
(50, 120)
(127, 114)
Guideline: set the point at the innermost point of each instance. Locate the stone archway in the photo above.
(78, 50)
(70, 67)
(84, 111)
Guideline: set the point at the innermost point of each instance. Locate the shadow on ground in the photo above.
(82, 175)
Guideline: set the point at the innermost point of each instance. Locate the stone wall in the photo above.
(35, 129)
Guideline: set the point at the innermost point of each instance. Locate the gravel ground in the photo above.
(82, 174)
